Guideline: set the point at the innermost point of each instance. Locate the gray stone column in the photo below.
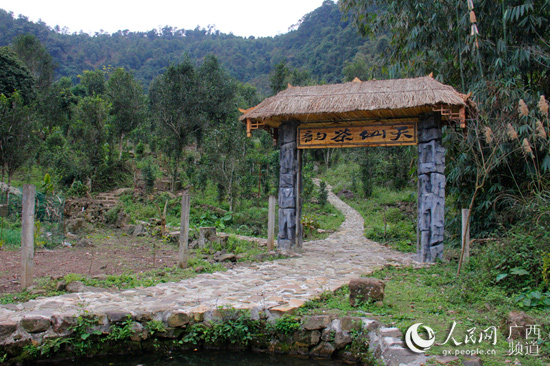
(288, 186)
(431, 188)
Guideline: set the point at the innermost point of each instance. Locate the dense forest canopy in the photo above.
(322, 43)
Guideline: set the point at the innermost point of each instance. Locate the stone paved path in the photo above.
(278, 286)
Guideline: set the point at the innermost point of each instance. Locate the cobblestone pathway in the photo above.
(278, 286)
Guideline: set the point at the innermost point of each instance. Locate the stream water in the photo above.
(203, 358)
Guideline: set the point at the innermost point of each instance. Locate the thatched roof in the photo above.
(358, 100)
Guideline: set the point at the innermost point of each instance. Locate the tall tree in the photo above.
(93, 82)
(175, 106)
(37, 59)
(278, 77)
(500, 52)
(90, 135)
(17, 137)
(127, 103)
(15, 76)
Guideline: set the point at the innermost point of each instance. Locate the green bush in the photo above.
(77, 189)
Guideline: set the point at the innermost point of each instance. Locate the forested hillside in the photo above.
(320, 45)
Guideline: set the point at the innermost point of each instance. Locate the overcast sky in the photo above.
(240, 17)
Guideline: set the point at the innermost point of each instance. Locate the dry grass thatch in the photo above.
(357, 100)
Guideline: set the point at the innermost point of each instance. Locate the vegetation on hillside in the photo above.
(319, 46)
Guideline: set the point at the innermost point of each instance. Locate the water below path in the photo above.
(202, 358)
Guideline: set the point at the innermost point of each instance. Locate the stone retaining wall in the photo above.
(321, 336)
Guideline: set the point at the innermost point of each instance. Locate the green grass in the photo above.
(315, 217)
(10, 237)
(434, 297)
(385, 222)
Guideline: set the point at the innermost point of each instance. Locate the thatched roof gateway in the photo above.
(358, 101)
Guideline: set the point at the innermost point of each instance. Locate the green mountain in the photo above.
(320, 45)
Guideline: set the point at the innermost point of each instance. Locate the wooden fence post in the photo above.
(271, 223)
(184, 231)
(465, 234)
(27, 235)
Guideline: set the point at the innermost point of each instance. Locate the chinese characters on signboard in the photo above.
(403, 133)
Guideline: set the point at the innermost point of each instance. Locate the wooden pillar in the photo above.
(183, 254)
(27, 235)
(431, 188)
(289, 178)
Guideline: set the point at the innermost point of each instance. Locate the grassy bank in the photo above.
(435, 297)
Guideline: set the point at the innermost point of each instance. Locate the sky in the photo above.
(241, 17)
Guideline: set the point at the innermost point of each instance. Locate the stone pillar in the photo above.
(288, 186)
(431, 188)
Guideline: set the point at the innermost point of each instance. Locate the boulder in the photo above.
(122, 219)
(61, 285)
(324, 349)
(346, 193)
(74, 225)
(207, 235)
(75, 286)
(139, 230)
(228, 257)
(317, 322)
(518, 322)
(35, 324)
(84, 243)
(365, 289)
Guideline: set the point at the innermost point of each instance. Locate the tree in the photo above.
(37, 59)
(175, 106)
(17, 138)
(127, 103)
(225, 149)
(278, 77)
(497, 51)
(93, 82)
(90, 135)
(15, 76)
(217, 91)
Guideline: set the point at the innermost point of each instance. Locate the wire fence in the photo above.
(49, 219)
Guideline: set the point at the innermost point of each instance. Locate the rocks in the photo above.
(346, 193)
(365, 289)
(35, 324)
(518, 322)
(74, 225)
(75, 286)
(122, 219)
(325, 349)
(207, 235)
(317, 322)
(84, 243)
(177, 320)
(7, 327)
(228, 257)
(61, 285)
(139, 230)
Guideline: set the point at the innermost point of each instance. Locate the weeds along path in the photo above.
(272, 287)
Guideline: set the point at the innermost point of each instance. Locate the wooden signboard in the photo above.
(357, 134)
